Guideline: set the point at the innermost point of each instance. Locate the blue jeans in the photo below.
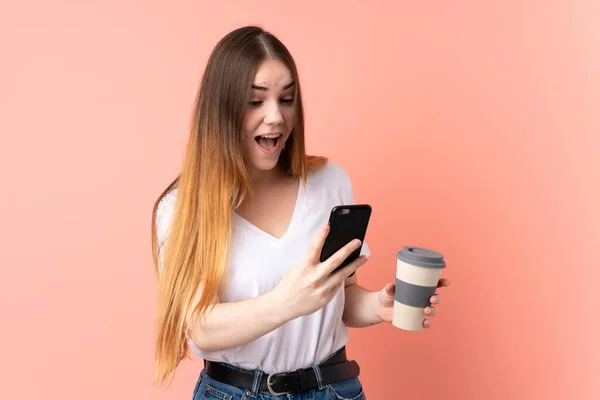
(210, 389)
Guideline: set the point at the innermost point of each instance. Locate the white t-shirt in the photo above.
(258, 261)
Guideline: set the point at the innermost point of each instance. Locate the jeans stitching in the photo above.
(217, 393)
(360, 396)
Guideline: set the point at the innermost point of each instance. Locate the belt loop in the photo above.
(258, 375)
(317, 370)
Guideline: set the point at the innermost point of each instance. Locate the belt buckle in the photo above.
(270, 386)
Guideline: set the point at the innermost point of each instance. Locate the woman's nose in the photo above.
(274, 115)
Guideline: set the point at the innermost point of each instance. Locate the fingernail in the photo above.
(427, 310)
(426, 323)
(357, 242)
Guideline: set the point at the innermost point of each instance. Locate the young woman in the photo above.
(237, 237)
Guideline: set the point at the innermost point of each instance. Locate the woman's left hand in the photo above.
(385, 303)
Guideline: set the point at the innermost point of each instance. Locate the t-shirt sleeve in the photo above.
(164, 213)
(348, 198)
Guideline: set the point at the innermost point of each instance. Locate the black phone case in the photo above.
(346, 222)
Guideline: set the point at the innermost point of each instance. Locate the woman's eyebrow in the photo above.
(264, 89)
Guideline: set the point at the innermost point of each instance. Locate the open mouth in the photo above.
(268, 142)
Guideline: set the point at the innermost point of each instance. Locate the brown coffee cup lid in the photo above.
(421, 257)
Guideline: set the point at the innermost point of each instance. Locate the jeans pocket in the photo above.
(348, 389)
(210, 393)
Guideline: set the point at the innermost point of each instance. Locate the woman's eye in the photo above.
(255, 103)
(287, 102)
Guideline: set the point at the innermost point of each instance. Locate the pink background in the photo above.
(471, 127)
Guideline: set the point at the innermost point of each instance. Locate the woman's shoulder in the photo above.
(167, 202)
(164, 213)
(330, 174)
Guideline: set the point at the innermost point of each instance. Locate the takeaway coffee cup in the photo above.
(417, 273)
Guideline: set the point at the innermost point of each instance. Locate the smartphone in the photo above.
(346, 223)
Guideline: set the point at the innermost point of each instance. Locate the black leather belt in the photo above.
(334, 369)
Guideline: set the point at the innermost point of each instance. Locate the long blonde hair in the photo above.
(212, 183)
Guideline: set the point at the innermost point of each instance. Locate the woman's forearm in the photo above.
(360, 309)
(228, 325)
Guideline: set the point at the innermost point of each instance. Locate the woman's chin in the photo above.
(265, 162)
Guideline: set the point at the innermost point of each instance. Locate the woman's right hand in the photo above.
(311, 284)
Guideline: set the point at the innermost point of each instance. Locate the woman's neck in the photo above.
(266, 178)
